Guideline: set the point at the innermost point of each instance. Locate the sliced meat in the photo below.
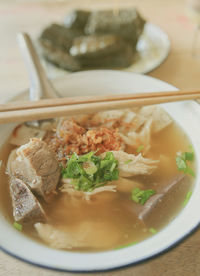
(22, 134)
(165, 202)
(26, 208)
(88, 234)
(130, 164)
(37, 166)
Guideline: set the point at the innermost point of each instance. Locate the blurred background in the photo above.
(178, 19)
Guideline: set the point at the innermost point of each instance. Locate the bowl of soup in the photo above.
(100, 191)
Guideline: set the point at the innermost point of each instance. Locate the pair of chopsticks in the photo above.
(59, 107)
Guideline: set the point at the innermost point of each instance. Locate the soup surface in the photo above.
(138, 176)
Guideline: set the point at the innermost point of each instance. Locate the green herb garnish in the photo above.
(128, 161)
(182, 160)
(126, 245)
(140, 148)
(141, 196)
(187, 198)
(153, 230)
(90, 171)
(17, 226)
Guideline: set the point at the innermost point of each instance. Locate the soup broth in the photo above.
(111, 220)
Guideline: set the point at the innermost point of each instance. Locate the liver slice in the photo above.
(166, 201)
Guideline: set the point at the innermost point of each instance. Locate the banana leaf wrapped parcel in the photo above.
(93, 39)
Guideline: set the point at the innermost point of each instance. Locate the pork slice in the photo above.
(131, 165)
(37, 166)
(26, 208)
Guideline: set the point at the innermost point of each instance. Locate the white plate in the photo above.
(186, 114)
(153, 47)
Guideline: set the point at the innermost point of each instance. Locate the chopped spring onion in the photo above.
(128, 161)
(17, 226)
(141, 196)
(182, 160)
(187, 198)
(90, 171)
(126, 245)
(140, 148)
(153, 230)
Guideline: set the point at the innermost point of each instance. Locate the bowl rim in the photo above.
(120, 267)
(145, 258)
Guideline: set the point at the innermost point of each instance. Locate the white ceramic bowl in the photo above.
(186, 114)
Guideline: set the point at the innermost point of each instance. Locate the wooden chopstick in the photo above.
(89, 99)
(52, 108)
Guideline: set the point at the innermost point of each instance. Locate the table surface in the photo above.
(180, 69)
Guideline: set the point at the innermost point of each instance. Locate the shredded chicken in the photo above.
(130, 164)
(68, 188)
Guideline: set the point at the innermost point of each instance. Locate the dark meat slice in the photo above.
(126, 23)
(76, 19)
(58, 36)
(37, 166)
(59, 57)
(161, 205)
(26, 208)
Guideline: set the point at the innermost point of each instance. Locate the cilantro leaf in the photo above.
(141, 196)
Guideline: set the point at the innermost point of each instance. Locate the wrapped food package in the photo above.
(125, 22)
(58, 36)
(101, 51)
(76, 19)
(59, 57)
(96, 39)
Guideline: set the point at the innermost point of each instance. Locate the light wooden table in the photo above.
(180, 69)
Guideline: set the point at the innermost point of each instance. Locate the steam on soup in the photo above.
(97, 182)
